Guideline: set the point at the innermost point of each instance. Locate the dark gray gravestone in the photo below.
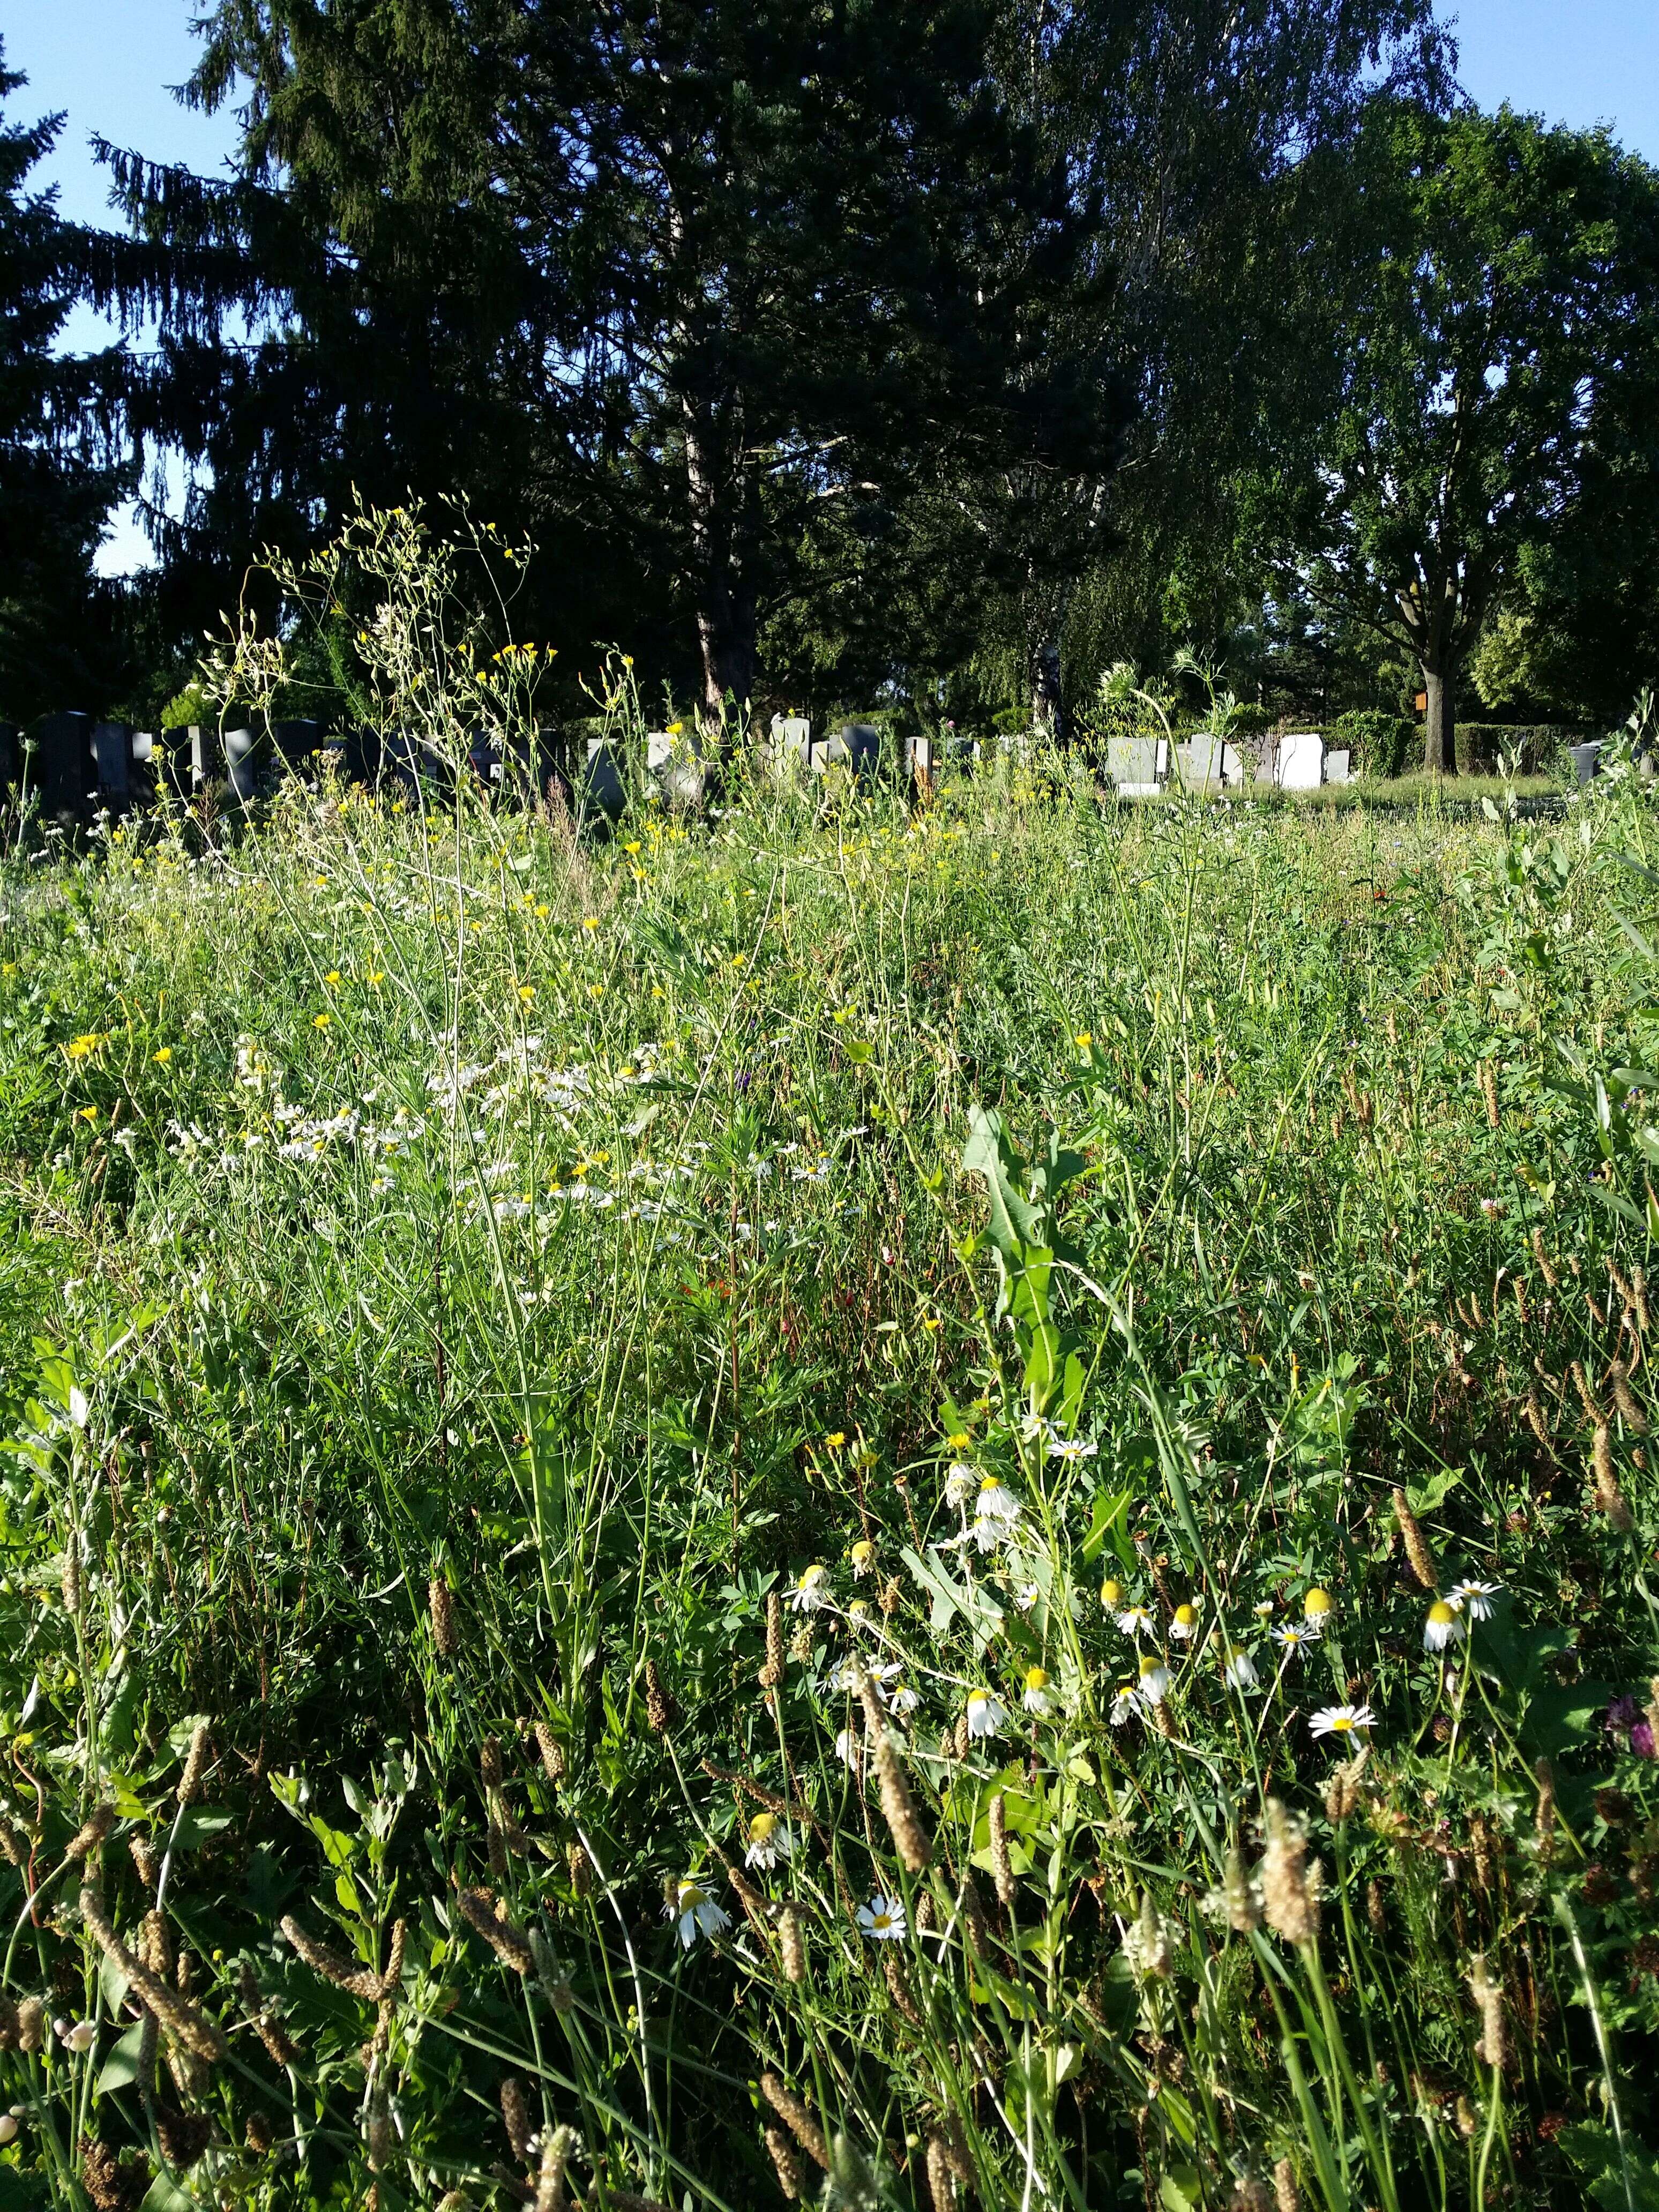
(111, 753)
(241, 766)
(206, 756)
(62, 768)
(297, 742)
(1586, 760)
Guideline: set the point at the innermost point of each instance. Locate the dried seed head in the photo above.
(1374, 1912)
(1544, 1825)
(581, 1868)
(1522, 1303)
(91, 1834)
(557, 2144)
(787, 2166)
(378, 2133)
(1285, 2195)
(1489, 2002)
(898, 1985)
(515, 2116)
(1146, 1941)
(145, 1858)
(1609, 1497)
(455, 2200)
(1638, 1297)
(792, 1942)
(73, 1587)
(32, 2024)
(445, 1633)
(961, 1738)
(1535, 1420)
(1588, 1398)
(800, 1645)
(1002, 1869)
(1545, 1268)
(184, 2023)
(184, 2136)
(189, 1783)
(796, 2118)
(1489, 1090)
(259, 2135)
(892, 1597)
(1652, 1708)
(480, 1911)
(1242, 1895)
(1251, 2195)
(1342, 1792)
(1484, 1848)
(939, 2187)
(754, 1904)
(333, 1965)
(1467, 2126)
(658, 1711)
(552, 1752)
(489, 1763)
(911, 1839)
(1629, 1412)
(1417, 1549)
(771, 1673)
(1289, 1902)
(279, 2045)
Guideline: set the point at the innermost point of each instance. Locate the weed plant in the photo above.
(877, 1502)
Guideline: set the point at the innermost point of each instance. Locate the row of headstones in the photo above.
(74, 763)
(1295, 761)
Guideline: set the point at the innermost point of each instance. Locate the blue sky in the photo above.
(109, 62)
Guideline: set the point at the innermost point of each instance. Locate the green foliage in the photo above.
(1378, 742)
(461, 1278)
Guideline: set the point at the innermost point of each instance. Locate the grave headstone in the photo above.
(673, 760)
(11, 756)
(63, 769)
(1235, 767)
(297, 742)
(241, 768)
(1586, 760)
(1301, 764)
(111, 753)
(917, 754)
(603, 790)
(1338, 767)
(206, 755)
(1133, 764)
(1200, 760)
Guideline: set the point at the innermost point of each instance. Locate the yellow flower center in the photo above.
(761, 1827)
(1036, 1678)
(1317, 1602)
(1440, 1613)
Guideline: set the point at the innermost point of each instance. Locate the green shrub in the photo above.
(1380, 742)
(1484, 748)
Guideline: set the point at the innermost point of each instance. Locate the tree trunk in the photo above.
(725, 589)
(1045, 690)
(1440, 735)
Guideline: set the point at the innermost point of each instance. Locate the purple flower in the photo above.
(1641, 1738)
(1625, 1718)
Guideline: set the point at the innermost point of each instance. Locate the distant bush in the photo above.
(1484, 747)
(190, 708)
(1380, 742)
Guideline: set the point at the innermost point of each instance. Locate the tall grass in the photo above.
(604, 1431)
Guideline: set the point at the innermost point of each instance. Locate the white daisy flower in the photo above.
(846, 1748)
(1035, 1429)
(1295, 1633)
(1026, 1596)
(1136, 1620)
(768, 1842)
(1036, 1699)
(1264, 1611)
(694, 1913)
(811, 1592)
(1154, 1678)
(995, 1502)
(985, 1714)
(1185, 1623)
(1125, 1704)
(1443, 1628)
(1071, 1449)
(1473, 1598)
(903, 1700)
(882, 1919)
(1240, 1670)
(1341, 1720)
(959, 1483)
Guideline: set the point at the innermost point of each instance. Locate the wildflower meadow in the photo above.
(870, 1497)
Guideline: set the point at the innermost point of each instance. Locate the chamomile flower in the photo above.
(959, 1482)
(1071, 1449)
(1442, 1627)
(1125, 1704)
(1239, 1670)
(1154, 1678)
(1026, 1596)
(903, 1700)
(863, 1556)
(1316, 1606)
(1294, 1634)
(986, 1713)
(995, 1502)
(1341, 1720)
(1111, 1594)
(1034, 1429)
(694, 1913)
(78, 2036)
(1136, 1620)
(1036, 1699)
(846, 1748)
(768, 1842)
(811, 1592)
(882, 1919)
(1473, 1598)
(1185, 1623)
